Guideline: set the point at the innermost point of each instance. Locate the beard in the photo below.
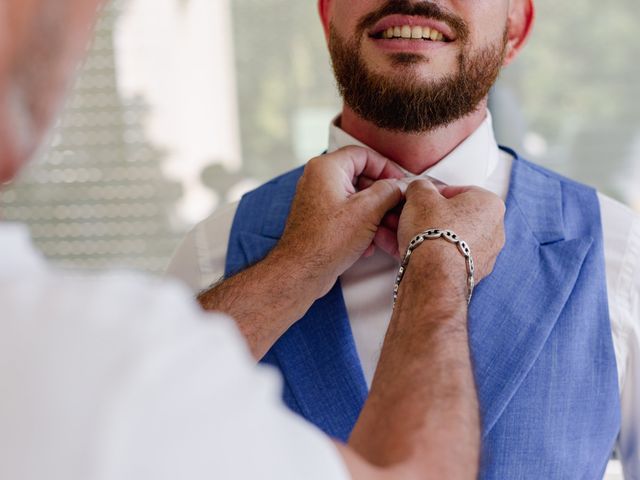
(404, 102)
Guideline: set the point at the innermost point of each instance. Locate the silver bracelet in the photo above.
(432, 234)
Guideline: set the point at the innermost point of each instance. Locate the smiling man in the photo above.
(122, 376)
(554, 331)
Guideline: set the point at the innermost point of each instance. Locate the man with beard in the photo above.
(554, 330)
(120, 376)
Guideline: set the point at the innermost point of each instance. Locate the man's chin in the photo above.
(412, 69)
(408, 60)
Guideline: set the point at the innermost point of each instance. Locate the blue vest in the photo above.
(539, 332)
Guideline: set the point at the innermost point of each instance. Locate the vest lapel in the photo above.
(515, 309)
(317, 355)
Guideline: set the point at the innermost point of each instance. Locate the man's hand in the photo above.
(421, 418)
(423, 393)
(474, 214)
(331, 225)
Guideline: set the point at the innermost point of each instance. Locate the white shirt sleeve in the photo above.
(629, 298)
(199, 260)
(122, 377)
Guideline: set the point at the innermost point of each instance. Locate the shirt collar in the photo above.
(17, 253)
(470, 163)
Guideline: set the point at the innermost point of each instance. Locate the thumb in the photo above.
(381, 197)
(449, 191)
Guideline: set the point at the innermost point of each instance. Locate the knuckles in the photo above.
(421, 187)
(312, 167)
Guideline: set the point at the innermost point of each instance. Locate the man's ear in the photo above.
(324, 7)
(519, 25)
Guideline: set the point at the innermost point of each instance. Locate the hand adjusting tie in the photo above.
(433, 234)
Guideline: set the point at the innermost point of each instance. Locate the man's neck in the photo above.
(414, 152)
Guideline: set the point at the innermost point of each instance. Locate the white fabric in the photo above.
(367, 285)
(121, 376)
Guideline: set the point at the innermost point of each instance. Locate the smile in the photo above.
(408, 32)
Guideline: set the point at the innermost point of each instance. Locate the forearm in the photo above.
(434, 426)
(423, 393)
(264, 300)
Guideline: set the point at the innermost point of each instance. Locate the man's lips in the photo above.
(412, 28)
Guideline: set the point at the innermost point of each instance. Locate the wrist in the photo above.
(438, 258)
(440, 267)
(435, 282)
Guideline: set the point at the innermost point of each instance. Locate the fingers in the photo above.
(453, 191)
(420, 187)
(387, 240)
(438, 184)
(364, 182)
(427, 184)
(369, 251)
(380, 197)
(391, 220)
(359, 161)
(448, 191)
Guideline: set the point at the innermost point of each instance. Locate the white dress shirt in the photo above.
(367, 285)
(121, 376)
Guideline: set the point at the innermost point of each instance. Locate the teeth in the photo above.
(414, 32)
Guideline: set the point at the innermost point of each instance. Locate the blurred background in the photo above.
(185, 104)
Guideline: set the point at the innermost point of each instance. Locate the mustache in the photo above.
(415, 9)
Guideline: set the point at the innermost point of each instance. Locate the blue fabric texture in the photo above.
(539, 327)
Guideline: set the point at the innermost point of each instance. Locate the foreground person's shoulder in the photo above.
(124, 374)
(121, 307)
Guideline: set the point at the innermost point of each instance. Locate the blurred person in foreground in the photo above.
(555, 329)
(120, 376)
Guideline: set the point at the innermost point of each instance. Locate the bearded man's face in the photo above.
(414, 66)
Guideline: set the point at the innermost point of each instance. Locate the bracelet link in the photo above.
(433, 234)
